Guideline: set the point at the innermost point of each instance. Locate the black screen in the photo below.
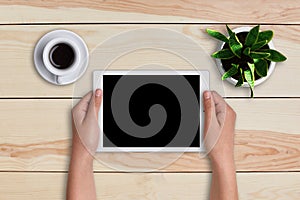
(170, 101)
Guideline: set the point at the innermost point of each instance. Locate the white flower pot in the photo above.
(245, 84)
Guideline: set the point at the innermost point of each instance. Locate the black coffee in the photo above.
(61, 56)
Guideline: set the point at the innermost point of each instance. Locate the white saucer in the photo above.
(43, 71)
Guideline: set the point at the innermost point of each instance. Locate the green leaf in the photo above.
(241, 79)
(235, 45)
(249, 76)
(217, 35)
(275, 56)
(259, 45)
(261, 67)
(247, 51)
(265, 35)
(259, 55)
(232, 71)
(249, 80)
(252, 36)
(251, 67)
(230, 32)
(235, 65)
(223, 54)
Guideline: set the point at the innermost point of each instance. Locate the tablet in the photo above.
(151, 111)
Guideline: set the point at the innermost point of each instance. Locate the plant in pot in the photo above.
(247, 57)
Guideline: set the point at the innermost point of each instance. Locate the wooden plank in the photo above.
(275, 186)
(19, 78)
(256, 11)
(35, 135)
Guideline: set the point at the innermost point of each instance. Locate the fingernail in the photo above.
(98, 93)
(206, 95)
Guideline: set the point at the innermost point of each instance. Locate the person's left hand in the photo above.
(85, 122)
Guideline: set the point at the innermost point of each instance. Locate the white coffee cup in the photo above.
(49, 64)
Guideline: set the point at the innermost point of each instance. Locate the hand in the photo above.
(218, 128)
(81, 184)
(219, 140)
(85, 123)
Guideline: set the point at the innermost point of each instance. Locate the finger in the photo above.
(93, 109)
(209, 109)
(79, 111)
(220, 106)
(83, 104)
(98, 101)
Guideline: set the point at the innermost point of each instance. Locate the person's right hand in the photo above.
(218, 128)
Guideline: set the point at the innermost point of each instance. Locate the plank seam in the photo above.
(70, 98)
(140, 23)
(156, 172)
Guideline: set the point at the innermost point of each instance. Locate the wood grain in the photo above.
(256, 11)
(20, 79)
(121, 186)
(35, 135)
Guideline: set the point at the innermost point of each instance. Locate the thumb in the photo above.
(98, 101)
(94, 105)
(209, 109)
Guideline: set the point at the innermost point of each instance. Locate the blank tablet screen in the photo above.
(151, 110)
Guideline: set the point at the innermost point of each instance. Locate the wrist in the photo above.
(81, 161)
(223, 164)
(80, 153)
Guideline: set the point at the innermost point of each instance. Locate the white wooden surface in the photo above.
(167, 186)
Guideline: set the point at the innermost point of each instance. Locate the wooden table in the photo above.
(35, 115)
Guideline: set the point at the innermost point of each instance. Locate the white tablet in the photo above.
(151, 111)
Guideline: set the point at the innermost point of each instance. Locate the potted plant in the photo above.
(247, 56)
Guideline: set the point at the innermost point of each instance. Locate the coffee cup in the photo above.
(61, 56)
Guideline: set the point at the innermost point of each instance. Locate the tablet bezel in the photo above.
(204, 85)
